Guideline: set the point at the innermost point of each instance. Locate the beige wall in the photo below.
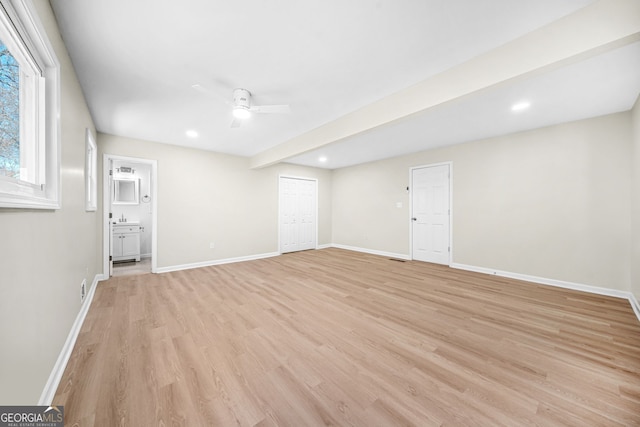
(635, 202)
(210, 197)
(45, 255)
(552, 202)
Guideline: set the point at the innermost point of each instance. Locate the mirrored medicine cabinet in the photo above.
(125, 191)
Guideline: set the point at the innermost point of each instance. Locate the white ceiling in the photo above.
(138, 60)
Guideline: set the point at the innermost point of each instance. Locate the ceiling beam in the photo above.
(597, 28)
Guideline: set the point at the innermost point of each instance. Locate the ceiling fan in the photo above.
(243, 107)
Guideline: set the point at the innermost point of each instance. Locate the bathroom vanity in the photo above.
(126, 241)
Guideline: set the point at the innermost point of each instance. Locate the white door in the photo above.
(110, 214)
(297, 214)
(430, 214)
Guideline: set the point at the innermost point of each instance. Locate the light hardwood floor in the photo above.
(333, 337)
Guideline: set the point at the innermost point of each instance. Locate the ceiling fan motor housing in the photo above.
(241, 98)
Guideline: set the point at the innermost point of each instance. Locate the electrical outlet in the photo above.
(83, 290)
(212, 245)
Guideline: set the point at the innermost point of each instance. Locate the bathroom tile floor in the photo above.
(132, 268)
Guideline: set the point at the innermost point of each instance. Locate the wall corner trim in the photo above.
(49, 391)
(557, 283)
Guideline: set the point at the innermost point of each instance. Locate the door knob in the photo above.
(414, 219)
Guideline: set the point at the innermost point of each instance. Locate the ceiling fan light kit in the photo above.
(241, 112)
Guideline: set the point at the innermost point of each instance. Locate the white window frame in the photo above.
(24, 34)
(91, 172)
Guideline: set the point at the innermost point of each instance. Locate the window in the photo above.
(29, 111)
(91, 165)
(9, 114)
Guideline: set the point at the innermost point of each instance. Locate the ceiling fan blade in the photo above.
(235, 123)
(201, 88)
(270, 109)
(210, 92)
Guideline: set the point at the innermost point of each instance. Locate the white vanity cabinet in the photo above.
(126, 242)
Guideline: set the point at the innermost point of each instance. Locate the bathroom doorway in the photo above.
(130, 215)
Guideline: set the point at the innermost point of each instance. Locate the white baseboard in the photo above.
(634, 304)
(558, 283)
(328, 245)
(215, 262)
(371, 251)
(53, 382)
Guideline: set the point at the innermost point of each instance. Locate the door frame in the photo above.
(280, 207)
(411, 169)
(106, 209)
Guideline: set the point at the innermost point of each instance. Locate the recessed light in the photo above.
(322, 159)
(519, 106)
(192, 133)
